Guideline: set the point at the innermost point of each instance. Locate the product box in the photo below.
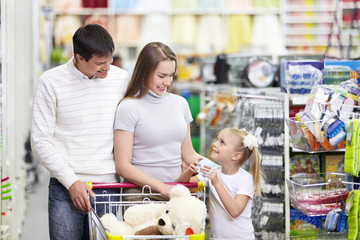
(336, 72)
(303, 225)
(304, 163)
(334, 163)
(352, 64)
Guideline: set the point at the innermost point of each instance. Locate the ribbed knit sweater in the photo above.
(72, 123)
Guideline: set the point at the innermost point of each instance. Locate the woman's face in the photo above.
(162, 77)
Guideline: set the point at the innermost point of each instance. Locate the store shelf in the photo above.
(306, 42)
(297, 99)
(251, 11)
(350, 5)
(311, 8)
(296, 150)
(306, 31)
(84, 11)
(308, 19)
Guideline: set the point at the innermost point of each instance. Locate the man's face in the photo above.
(96, 66)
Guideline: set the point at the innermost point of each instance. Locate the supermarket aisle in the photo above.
(35, 226)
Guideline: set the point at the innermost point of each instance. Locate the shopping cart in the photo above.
(125, 200)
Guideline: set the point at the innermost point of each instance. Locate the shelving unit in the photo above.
(2, 105)
(169, 10)
(308, 24)
(17, 65)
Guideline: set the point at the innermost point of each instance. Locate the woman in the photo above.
(152, 126)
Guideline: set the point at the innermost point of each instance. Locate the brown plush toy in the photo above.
(150, 230)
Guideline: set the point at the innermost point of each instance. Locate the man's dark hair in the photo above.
(93, 39)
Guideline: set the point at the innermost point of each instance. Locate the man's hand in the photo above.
(79, 195)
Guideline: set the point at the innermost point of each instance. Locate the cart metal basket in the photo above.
(317, 194)
(125, 200)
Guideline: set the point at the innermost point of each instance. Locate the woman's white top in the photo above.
(159, 125)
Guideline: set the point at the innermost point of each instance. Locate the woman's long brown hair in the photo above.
(150, 56)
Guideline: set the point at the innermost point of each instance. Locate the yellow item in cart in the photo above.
(351, 163)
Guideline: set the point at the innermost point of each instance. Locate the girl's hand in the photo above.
(212, 176)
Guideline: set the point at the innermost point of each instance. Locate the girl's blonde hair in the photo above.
(255, 168)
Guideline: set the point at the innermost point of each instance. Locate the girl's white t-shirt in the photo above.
(222, 225)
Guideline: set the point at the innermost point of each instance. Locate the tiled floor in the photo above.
(36, 220)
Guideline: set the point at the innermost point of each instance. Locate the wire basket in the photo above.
(325, 236)
(307, 136)
(317, 194)
(118, 203)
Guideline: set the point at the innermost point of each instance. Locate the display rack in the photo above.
(315, 153)
(17, 78)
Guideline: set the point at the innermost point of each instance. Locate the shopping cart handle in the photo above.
(131, 185)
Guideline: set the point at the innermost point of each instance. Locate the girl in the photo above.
(231, 187)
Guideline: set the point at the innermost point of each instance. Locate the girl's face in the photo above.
(224, 148)
(162, 77)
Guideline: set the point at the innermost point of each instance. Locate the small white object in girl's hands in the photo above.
(206, 162)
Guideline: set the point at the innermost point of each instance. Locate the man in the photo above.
(72, 128)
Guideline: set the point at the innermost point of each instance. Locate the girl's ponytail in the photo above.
(255, 170)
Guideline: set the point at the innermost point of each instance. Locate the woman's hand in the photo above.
(165, 190)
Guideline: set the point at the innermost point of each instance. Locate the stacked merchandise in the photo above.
(328, 122)
(322, 126)
(263, 116)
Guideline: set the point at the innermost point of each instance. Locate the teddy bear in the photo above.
(183, 214)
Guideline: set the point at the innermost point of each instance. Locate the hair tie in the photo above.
(250, 141)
